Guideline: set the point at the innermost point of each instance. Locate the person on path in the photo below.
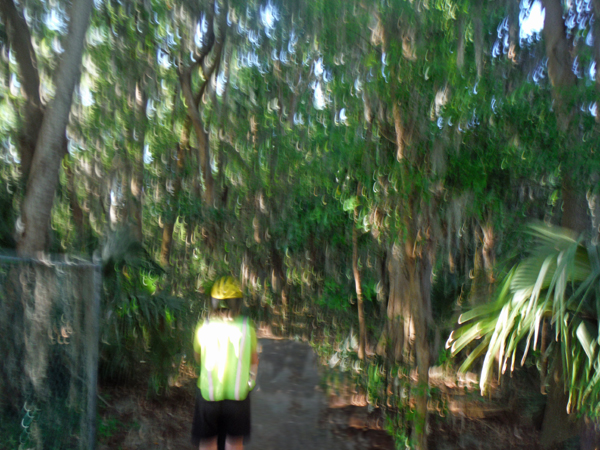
(225, 346)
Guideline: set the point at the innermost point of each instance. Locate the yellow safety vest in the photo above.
(225, 347)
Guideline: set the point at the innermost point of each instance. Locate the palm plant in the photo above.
(558, 283)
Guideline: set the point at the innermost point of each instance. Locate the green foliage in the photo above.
(395, 427)
(332, 298)
(376, 384)
(107, 427)
(141, 321)
(556, 283)
(10, 430)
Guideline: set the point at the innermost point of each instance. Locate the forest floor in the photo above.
(291, 410)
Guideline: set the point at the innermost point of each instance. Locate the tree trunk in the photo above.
(478, 39)
(513, 29)
(596, 34)
(574, 207)
(169, 225)
(137, 172)
(399, 127)
(359, 295)
(557, 424)
(398, 331)
(421, 346)
(483, 264)
(166, 243)
(49, 151)
(559, 61)
(488, 252)
(76, 211)
(278, 278)
(198, 123)
(419, 271)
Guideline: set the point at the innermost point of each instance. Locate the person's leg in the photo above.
(237, 423)
(205, 425)
(208, 444)
(234, 443)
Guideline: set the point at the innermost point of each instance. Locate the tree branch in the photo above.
(192, 110)
(193, 102)
(20, 40)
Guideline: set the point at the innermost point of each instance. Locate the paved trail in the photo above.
(287, 405)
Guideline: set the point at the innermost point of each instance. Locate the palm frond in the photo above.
(557, 281)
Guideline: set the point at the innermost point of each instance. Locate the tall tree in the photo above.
(50, 144)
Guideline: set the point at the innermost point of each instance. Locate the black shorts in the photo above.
(225, 418)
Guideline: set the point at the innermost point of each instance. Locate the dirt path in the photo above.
(289, 410)
(287, 404)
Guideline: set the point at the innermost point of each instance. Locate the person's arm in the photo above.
(253, 357)
(254, 366)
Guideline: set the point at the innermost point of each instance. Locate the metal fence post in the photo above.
(92, 326)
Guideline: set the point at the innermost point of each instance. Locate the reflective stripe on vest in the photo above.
(241, 359)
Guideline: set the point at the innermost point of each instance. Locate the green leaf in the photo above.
(351, 203)
(587, 341)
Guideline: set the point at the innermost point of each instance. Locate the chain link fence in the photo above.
(49, 323)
